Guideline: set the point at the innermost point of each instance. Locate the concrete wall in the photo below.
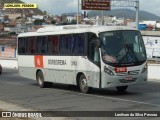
(9, 63)
(153, 72)
(152, 44)
(7, 51)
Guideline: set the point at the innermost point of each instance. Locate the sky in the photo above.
(67, 6)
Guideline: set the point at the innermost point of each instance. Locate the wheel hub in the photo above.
(84, 84)
(40, 80)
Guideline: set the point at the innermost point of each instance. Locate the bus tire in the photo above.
(122, 88)
(40, 79)
(84, 88)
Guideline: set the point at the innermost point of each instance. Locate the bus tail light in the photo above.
(145, 68)
(108, 71)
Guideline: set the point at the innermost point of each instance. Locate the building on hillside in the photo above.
(8, 45)
(1, 27)
(16, 26)
(8, 27)
(7, 51)
(131, 24)
(80, 18)
(1, 19)
(128, 21)
(108, 20)
(13, 16)
(58, 19)
(70, 18)
(39, 17)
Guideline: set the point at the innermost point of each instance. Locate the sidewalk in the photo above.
(154, 72)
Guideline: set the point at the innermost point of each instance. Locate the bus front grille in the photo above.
(135, 72)
(128, 81)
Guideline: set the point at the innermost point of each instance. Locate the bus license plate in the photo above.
(128, 78)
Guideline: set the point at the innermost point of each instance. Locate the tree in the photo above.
(38, 22)
(18, 18)
(12, 33)
(45, 12)
(53, 21)
(74, 22)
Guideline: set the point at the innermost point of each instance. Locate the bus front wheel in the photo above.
(83, 85)
(122, 88)
(40, 79)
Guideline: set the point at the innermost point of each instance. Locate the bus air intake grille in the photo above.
(122, 74)
(136, 72)
(128, 81)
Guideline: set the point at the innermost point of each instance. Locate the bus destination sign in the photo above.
(95, 4)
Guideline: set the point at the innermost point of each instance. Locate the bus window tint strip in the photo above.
(67, 44)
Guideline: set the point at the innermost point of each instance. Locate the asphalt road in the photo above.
(58, 97)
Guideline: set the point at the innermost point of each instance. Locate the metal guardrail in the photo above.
(153, 60)
(2, 58)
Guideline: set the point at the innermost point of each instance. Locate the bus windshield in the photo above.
(122, 48)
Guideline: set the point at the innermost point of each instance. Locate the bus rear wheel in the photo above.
(40, 79)
(122, 88)
(83, 85)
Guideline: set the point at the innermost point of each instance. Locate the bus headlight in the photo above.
(144, 69)
(108, 71)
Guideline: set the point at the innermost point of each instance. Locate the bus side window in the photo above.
(65, 44)
(81, 44)
(73, 41)
(62, 44)
(74, 48)
(77, 46)
(93, 49)
(44, 45)
(68, 39)
(22, 45)
(53, 44)
(38, 44)
(32, 45)
(94, 52)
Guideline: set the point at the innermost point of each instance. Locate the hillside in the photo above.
(35, 11)
(126, 13)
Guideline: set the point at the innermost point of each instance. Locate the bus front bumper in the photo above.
(114, 81)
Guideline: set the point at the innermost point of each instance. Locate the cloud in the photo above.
(55, 6)
(150, 6)
(64, 6)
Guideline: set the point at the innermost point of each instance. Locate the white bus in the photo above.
(86, 56)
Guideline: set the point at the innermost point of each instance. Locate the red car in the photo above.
(0, 69)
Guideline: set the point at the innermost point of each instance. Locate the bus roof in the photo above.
(67, 29)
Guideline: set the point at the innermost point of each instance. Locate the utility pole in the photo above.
(78, 14)
(137, 13)
(102, 12)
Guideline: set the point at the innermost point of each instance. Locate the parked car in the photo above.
(0, 69)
